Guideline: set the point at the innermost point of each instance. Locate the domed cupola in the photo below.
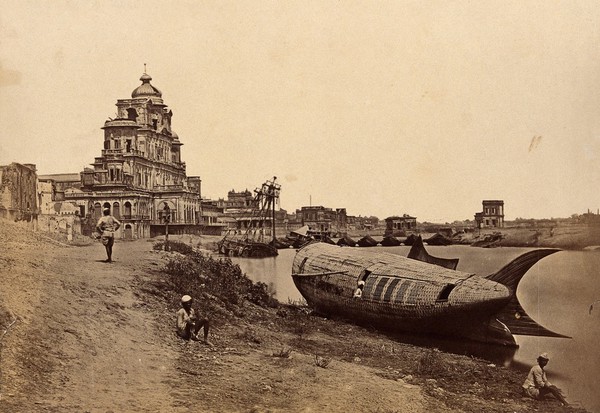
(145, 89)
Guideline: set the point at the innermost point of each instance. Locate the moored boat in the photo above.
(251, 241)
(402, 294)
(410, 239)
(346, 241)
(367, 241)
(390, 241)
(279, 244)
(438, 239)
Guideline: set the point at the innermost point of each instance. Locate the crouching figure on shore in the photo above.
(537, 385)
(188, 324)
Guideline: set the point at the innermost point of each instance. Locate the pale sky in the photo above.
(383, 108)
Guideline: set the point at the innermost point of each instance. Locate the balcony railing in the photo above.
(112, 152)
(178, 187)
(132, 217)
(178, 222)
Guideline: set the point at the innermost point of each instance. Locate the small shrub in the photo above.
(301, 302)
(283, 353)
(322, 362)
(431, 362)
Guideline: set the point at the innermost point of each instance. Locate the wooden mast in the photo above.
(273, 208)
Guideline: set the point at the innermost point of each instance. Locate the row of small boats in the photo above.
(366, 241)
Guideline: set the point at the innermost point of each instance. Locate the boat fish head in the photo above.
(477, 291)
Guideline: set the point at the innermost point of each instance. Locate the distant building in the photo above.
(492, 215)
(242, 201)
(321, 219)
(18, 192)
(210, 220)
(589, 217)
(396, 225)
(51, 194)
(240, 212)
(139, 176)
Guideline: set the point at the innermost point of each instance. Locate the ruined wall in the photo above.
(18, 192)
(67, 225)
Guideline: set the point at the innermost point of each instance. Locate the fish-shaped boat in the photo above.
(407, 294)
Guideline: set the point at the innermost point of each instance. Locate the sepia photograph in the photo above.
(299, 206)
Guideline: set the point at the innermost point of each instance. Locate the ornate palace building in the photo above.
(140, 175)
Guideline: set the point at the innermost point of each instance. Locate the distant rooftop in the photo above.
(60, 177)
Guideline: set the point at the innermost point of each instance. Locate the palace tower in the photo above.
(140, 175)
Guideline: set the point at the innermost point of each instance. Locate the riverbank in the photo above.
(563, 236)
(78, 334)
(568, 237)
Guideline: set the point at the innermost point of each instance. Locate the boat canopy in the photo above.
(301, 231)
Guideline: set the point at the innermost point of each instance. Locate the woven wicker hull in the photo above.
(401, 294)
(472, 322)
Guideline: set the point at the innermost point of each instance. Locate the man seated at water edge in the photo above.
(537, 385)
(188, 324)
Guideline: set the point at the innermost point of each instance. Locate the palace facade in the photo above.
(140, 175)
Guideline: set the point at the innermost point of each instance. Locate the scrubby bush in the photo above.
(431, 362)
(198, 274)
(284, 353)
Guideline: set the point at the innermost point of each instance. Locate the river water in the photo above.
(557, 293)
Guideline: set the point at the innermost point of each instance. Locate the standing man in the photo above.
(188, 324)
(537, 385)
(106, 226)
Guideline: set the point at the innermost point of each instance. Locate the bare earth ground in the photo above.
(81, 335)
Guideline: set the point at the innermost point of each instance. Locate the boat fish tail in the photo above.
(513, 315)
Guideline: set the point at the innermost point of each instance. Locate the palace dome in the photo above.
(145, 89)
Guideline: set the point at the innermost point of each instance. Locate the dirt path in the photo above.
(82, 341)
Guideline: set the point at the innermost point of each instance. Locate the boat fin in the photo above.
(419, 253)
(513, 315)
(519, 322)
(511, 274)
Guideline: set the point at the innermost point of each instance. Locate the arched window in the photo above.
(97, 211)
(116, 210)
(127, 211)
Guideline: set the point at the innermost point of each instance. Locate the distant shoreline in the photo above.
(563, 236)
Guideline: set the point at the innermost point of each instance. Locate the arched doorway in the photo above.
(128, 232)
(165, 209)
